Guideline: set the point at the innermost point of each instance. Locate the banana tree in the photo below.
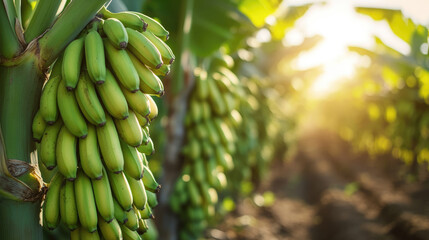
(31, 39)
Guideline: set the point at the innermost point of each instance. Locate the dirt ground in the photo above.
(327, 191)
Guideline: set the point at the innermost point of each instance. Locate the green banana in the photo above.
(112, 97)
(121, 189)
(133, 165)
(139, 192)
(57, 67)
(167, 54)
(48, 145)
(89, 154)
(144, 49)
(122, 66)
(85, 202)
(129, 234)
(154, 26)
(48, 100)
(72, 61)
(144, 159)
(146, 213)
(38, 127)
(133, 221)
(195, 110)
(151, 199)
(65, 153)
(215, 98)
(224, 131)
(68, 206)
(110, 230)
(87, 235)
(120, 214)
(143, 227)
(153, 108)
(198, 170)
(145, 135)
(213, 135)
(129, 130)
(148, 148)
(143, 121)
(70, 113)
(94, 56)
(194, 194)
(75, 234)
(149, 82)
(149, 180)
(88, 101)
(51, 205)
(137, 101)
(206, 110)
(163, 71)
(110, 147)
(116, 33)
(201, 84)
(103, 197)
(128, 19)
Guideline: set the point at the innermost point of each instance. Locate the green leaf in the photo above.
(286, 20)
(258, 10)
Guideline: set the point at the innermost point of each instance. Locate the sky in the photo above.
(340, 26)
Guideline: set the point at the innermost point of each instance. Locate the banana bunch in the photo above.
(93, 127)
(209, 146)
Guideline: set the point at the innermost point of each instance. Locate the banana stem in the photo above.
(19, 97)
(9, 45)
(67, 26)
(43, 16)
(177, 98)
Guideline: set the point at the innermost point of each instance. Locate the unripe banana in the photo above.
(148, 148)
(128, 19)
(149, 82)
(154, 26)
(48, 145)
(149, 180)
(201, 84)
(85, 202)
(70, 113)
(139, 192)
(71, 64)
(153, 108)
(88, 101)
(133, 221)
(198, 170)
(75, 234)
(103, 197)
(213, 135)
(194, 193)
(129, 234)
(133, 165)
(48, 100)
(146, 213)
(144, 49)
(89, 154)
(145, 135)
(137, 101)
(144, 159)
(57, 67)
(122, 66)
(143, 227)
(94, 56)
(86, 235)
(112, 97)
(163, 71)
(120, 214)
(215, 98)
(110, 230)
(151, 199)
(143, 121)
(38, 127)
(68, 206)
(66, 154)
(51, 205)
(121, 189)
(129, 130)
(165, 51)
(116, 33)
(110, 147)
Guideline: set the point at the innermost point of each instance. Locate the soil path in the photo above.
(329, 192)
